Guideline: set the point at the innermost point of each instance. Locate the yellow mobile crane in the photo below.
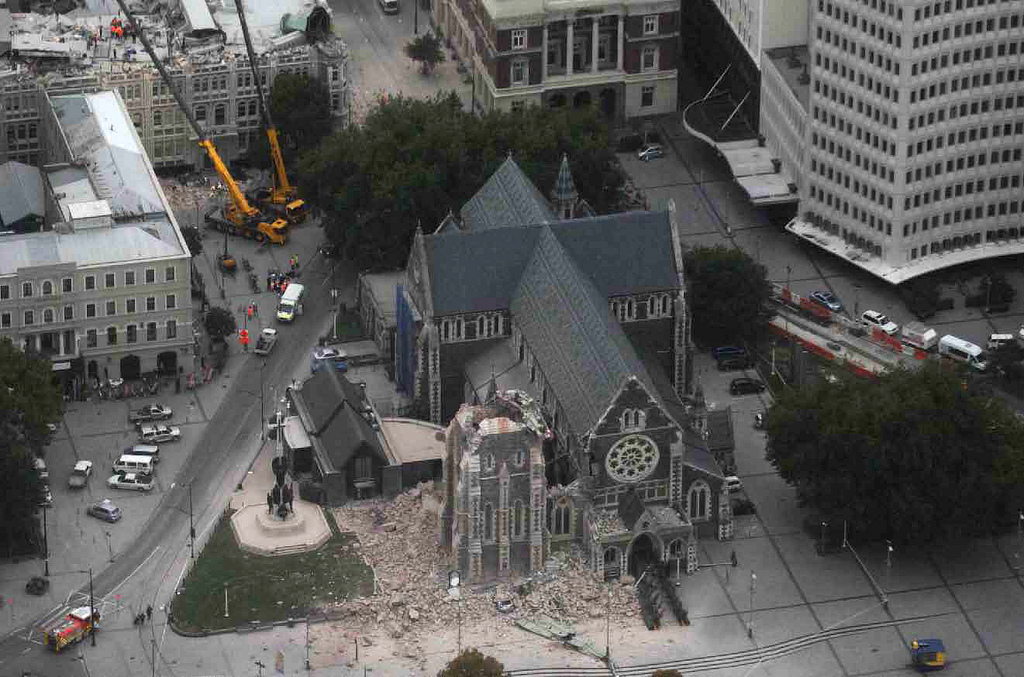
(239, 217)
(283, 198)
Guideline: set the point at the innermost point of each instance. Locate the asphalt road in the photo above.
(223, 451)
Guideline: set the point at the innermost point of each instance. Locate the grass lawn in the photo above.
(268, 589)
(348, 327)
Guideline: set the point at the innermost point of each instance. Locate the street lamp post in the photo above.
(608, 628)
(92, 609)
(750, 616)
(454, 580)
(821, 543)
(191, 525)
(416, 17)
(46, 547)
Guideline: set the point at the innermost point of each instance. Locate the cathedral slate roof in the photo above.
(583, 352)
(508, 199)
(622, 254)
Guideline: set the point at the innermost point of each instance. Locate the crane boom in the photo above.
(237, 197)
(283, 186)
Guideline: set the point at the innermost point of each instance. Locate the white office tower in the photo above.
(915, 132)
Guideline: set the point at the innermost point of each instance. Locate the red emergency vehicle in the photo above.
(75, 627)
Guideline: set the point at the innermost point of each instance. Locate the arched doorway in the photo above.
(130, 367)
(556, 101)
(93, 370)
(608, 101)
(581, 99)
(167, 363)
(643, 551)
(612, 564)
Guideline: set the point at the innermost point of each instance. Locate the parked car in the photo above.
(104, 510)
(733, 362)
(650, 151)
(40, 466)
(159, 433)
(326, 355)
(728, 351)
(46, 497)
(80, 474)
(131, 480)
(150, 412)
(879, 320)
(745, 385)
(734, 484)
(828, 300)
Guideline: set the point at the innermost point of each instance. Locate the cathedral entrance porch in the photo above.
(643, 551)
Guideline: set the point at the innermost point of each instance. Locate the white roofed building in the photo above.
(103, 289)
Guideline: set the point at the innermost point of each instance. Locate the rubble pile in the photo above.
(192, 192)
(399, 540)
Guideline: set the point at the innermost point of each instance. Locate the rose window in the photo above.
(632, 459)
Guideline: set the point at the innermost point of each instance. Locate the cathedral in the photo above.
(555, 345)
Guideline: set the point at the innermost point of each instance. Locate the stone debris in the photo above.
(399, 539)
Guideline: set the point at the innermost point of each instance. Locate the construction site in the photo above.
(83, 46)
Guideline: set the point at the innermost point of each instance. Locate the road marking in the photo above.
(135, 571)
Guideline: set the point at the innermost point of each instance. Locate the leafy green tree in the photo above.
(472, 663)
(427, 49)
(220, 322)
(913, 456)
(29, 400)
(729, 294)
(412, 161)
(193, 239)
(301, 106)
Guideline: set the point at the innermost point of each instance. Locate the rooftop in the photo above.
(792, 63)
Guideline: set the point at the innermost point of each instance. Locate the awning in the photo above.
(295, 435)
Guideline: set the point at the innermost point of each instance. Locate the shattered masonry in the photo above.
(76, 52)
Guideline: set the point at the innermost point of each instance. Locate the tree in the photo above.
(412, 161)
(220, 322)
(427, 49)
(193, 239)
(729, 294)
(301, 107)
(29, 400)
(912, 456)
(472, 663)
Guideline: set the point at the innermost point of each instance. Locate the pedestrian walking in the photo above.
(149, 611)
(270, 503)
(270, 279)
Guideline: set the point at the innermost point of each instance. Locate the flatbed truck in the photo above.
(266, 341)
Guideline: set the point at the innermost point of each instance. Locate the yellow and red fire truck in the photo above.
(75, 627)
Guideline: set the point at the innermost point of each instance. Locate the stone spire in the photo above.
(565, 191)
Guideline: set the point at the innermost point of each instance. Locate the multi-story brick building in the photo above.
(621, 56)
(104, 288)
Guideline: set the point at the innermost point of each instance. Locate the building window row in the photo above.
(961, 85)
(850, 46)
(848, 17)
(67, 284)
(866, 217)
(966, 163)
(131, 333)
(843, 180)
(844, 153)
(209, 83)
(942, 61)
(940, 8)
(965, 29)
(482, 326)
(855, 132)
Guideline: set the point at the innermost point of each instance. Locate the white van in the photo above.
(962, 351)
(129, 463)
(389, 6)
(997, 341)
(151, 450)
(290, 304)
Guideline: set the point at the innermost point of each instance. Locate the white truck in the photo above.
(290, 304)
(266, 341)
(918, 335)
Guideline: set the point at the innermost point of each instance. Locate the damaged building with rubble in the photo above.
(556, 344)
(85, 46)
